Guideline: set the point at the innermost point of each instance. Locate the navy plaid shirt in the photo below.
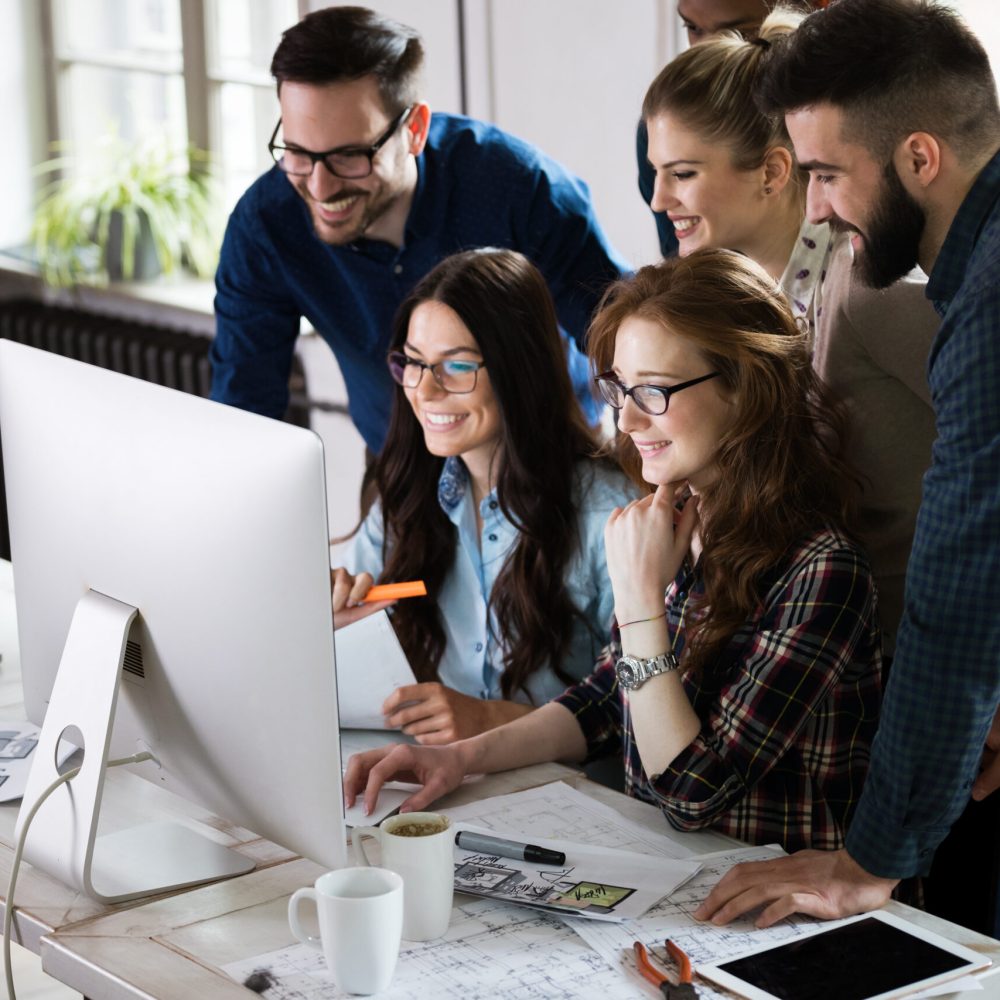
(787, 715)
(945, 681)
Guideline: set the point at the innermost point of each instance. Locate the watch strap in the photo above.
(633, 671)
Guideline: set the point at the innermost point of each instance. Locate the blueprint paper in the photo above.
(490, 950)
(598, 883)
(704, 943)
(558, 811)
(18, 741)
(371, 664)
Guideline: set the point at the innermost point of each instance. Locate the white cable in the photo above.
(8, 915)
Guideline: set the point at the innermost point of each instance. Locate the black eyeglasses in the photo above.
(651, 399)
(348, 162)
(454, 375)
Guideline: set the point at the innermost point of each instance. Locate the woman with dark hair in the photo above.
(490, 493)
(742, 680)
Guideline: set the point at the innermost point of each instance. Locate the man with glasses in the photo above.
(367, 194)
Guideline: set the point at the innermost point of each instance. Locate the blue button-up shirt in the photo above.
(476, 186)
(945, 681)
(473, 658)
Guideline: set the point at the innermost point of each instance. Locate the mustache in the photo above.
(838, 225)
(345, 193)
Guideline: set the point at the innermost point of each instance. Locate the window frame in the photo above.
(201, 81)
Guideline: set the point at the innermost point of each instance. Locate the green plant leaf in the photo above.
(167, 195)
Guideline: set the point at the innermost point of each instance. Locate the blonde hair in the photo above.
(711, 87)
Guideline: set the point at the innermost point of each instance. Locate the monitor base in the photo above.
(157, 857)
(62, 839)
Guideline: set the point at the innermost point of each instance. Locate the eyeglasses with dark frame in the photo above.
(651, 399)
(346, 162)
(455, 375)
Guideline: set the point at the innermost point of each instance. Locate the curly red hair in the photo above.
(782, 467)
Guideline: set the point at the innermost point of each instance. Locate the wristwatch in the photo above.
(633, 673)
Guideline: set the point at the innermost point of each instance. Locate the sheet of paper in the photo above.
(558, 811)
(18, 741)
(490, 950)
(371, 664)
(671, 918)
(599, 883)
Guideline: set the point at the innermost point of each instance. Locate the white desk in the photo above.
(172, 947)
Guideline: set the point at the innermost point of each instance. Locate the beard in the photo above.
(373, 206)
(891, 241)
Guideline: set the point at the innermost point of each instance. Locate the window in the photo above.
(193, 70)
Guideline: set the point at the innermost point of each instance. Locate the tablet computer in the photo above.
(877, 956)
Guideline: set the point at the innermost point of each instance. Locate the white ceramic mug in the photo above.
(427, 865)
(360, 913)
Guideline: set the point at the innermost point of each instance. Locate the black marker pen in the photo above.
(508, 848)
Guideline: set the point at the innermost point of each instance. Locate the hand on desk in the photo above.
(347, 594)
(438, 769)
(824, 884)
(435, 714)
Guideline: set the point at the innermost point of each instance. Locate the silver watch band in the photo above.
(634, 672)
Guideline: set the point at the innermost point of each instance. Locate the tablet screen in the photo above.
(862, 959)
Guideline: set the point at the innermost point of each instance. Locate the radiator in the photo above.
(157, 354)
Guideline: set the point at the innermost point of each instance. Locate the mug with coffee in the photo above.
(420, 846)
(360, 915)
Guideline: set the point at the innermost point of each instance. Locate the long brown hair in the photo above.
(710, 87)
(782, 470)
(504, 301)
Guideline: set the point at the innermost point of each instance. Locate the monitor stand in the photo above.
(62, 839)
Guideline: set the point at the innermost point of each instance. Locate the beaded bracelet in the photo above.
(639, 621)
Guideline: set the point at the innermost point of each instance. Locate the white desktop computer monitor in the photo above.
(171, 572)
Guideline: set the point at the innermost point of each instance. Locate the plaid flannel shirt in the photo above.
(788, 712)
(945, 681)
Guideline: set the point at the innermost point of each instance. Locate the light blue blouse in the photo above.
(473, 658)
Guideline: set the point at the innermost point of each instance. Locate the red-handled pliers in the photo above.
(683, 988)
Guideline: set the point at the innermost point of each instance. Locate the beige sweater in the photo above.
(871, 348)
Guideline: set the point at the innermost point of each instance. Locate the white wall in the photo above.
(569, 76)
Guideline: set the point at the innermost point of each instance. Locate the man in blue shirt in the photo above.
(367, 194)
(892, 108)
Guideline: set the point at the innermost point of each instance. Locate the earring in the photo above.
(767, 190)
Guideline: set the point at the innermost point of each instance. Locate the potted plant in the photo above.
(127, 211)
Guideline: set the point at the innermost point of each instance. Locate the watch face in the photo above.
(627, 673)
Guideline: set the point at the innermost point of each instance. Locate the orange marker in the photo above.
(395, 591)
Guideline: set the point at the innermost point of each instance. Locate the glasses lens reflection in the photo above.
(452, 376)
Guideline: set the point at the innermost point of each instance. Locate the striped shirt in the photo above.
(788, 712)
(945, 682)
